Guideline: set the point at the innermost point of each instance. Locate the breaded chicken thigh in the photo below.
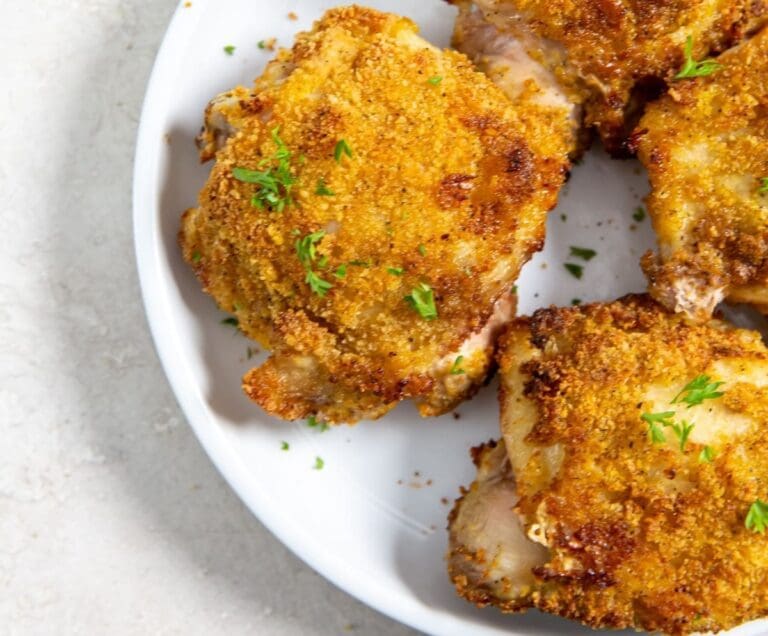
(372, 202)
(607, 56)
(630, 489)
(706, 149)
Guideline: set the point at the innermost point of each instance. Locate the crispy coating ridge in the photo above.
(639, 535)
(612, 55)
(448, 180)
(706, 149)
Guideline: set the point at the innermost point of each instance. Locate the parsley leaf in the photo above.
(639, 215)
(285, 446)
(583, 252)
(706, 455)
(313, 423)
(422, 299)
(342, 148)
(231, 321)
(683, 432)
(323, 190)
(435, 80)
(692, 68)
(576, 302)
(275, 182)
(655, 421)
(456, 368)
(341, 271)
(196, 257)
(577, 271)
(396, 271)
(319, 463)
(698, 390)
(229, 49)
(422, 250)
(763, 189)
(316, 284)
(757, 518)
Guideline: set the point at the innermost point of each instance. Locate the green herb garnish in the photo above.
(639, 215)
(323, 190)
(231, 321)
(763, 189)
(692, 68)
(360, 263)
(706, 455)
(196, 257)
(576, 302)
(698, 390)
(342, 148)
(316, 284)
(422, 299)
(312, 422)
(757, 518)
(422, 250)
(435, 80)
(306, 249)
(456, 368)
(275, 182)
(577, 271)
(583, 253)
(262, 44)
(285, 446)
(229, 49)
(396, 271)
(319, 463)
(341, 271)
(655, 423)
(683, 432)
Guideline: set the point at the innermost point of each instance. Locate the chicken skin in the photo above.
(630, 488)
(607, 56)
(371, 204)
(706, 149)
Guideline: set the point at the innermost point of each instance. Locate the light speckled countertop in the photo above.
(112, 519)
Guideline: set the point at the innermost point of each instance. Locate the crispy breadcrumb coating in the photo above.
(447, 185)
(610, 56)
(624, 532)
(706, 149)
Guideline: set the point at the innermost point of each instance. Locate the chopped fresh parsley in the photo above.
(514, 289)
(275, 182)
(639, 214)
(763, 189)
(342, 148)
(422, 299)
(231, 321)
(341, 271)
(360, 263)
(435, 80)
(456, 368)
(319, 463)
(683, 432)
(655, 423)
(323, 190)
(576, 302)
(229, 49)
(699, 389)
(262, 44)
(306, 250)
(583, 253)
(706, 455)
(422, 250)
(285, 446)
(577, 271)
(692, 68)
(196, 257)
(316, 284)
(757, 518)
(396, 271)
(312, 422)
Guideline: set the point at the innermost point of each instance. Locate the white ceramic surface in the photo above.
(372, 521)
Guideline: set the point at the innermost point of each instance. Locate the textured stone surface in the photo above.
(112, 519)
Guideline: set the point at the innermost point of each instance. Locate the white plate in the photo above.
(373, 520)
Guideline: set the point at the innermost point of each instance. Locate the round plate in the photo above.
(373, 519)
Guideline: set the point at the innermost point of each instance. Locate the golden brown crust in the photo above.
(452, 166)
(641, 535)
(612, 55)
(706, 148)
